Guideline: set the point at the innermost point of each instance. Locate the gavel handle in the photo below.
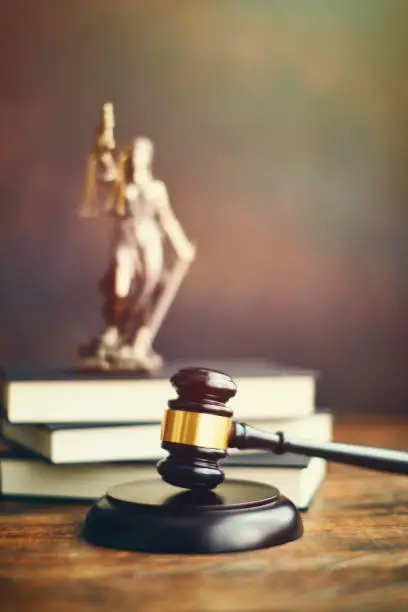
(250, 438)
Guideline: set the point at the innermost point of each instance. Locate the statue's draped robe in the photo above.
(137, 243)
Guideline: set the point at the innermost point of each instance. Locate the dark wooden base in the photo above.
(155, 517)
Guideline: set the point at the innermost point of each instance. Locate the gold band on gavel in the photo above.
(196, 429)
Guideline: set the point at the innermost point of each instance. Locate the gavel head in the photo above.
(196, 428)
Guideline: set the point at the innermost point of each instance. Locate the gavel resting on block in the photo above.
(181, 513)
(198, 429)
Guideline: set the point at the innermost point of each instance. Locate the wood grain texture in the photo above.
(353, 556)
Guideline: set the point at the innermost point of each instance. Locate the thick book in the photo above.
(92, 443)
(24, 475)
(264, 390)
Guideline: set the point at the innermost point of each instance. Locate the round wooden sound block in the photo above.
(154, 517)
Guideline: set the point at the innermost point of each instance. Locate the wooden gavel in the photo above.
(198, 429)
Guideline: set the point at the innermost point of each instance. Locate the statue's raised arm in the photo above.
(103, 167)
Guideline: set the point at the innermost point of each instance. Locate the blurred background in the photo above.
(281, 133)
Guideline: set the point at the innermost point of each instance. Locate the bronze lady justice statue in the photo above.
(138, 289)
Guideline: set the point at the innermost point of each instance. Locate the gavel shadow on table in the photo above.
(181, 513)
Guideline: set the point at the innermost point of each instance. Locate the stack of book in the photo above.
(73, 435)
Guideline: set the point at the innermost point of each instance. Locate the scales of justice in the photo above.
(139, 286)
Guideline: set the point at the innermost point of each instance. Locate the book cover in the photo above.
(79, 443)
(264, 390)
(24, 475)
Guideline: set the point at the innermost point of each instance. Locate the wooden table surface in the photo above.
(353, 555)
